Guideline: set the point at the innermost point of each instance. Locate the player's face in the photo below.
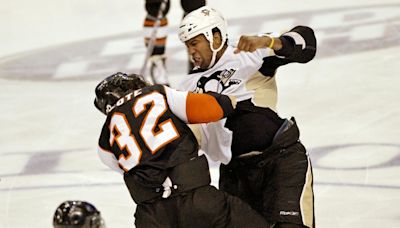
(199, 51)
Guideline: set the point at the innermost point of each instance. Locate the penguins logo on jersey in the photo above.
(206, 12)
(217, 82)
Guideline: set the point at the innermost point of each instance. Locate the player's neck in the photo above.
(220, 53)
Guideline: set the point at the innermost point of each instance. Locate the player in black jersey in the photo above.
(264, 162)
(145, 138)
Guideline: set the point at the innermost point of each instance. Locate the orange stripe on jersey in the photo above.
(150, 23)
(202, 108)
(158, 42)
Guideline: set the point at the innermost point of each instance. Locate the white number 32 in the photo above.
(153, 140)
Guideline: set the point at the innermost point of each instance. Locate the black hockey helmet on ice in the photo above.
(77, 214)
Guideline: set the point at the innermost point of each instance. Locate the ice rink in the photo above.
(346, 102)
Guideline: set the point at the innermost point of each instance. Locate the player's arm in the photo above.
(253, 42)
(104, 150)
(296, 45)
(199, 108)
(108, 158)
(208, 107)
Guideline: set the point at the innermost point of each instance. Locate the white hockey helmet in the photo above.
(203, 21)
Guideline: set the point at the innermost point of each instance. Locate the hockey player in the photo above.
(77, 214)
(145, 138)
(157, 58)
(264, 163)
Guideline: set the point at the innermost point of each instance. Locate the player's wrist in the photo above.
(269, 41)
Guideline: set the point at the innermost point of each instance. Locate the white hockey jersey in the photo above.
(236, 75)
(247, 76)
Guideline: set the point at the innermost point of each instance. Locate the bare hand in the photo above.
(251, 43)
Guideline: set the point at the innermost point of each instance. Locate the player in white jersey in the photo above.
(264, 162)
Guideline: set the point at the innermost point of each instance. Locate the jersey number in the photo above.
(153, 140)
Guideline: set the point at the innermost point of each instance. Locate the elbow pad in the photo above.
(224, 101)
(298, 45)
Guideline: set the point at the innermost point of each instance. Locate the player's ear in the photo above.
(217, 39)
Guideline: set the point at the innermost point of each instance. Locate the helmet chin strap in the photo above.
(214, 55)
(192, 60)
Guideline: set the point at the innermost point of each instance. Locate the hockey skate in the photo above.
(158, 70)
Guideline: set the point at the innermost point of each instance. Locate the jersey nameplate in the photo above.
(124, 99)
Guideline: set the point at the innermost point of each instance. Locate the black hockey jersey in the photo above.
(146, 130)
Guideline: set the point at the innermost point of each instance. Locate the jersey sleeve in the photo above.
(298, 45)
(108, 158)
(198, 108)
(104, 150)
(177, 102)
